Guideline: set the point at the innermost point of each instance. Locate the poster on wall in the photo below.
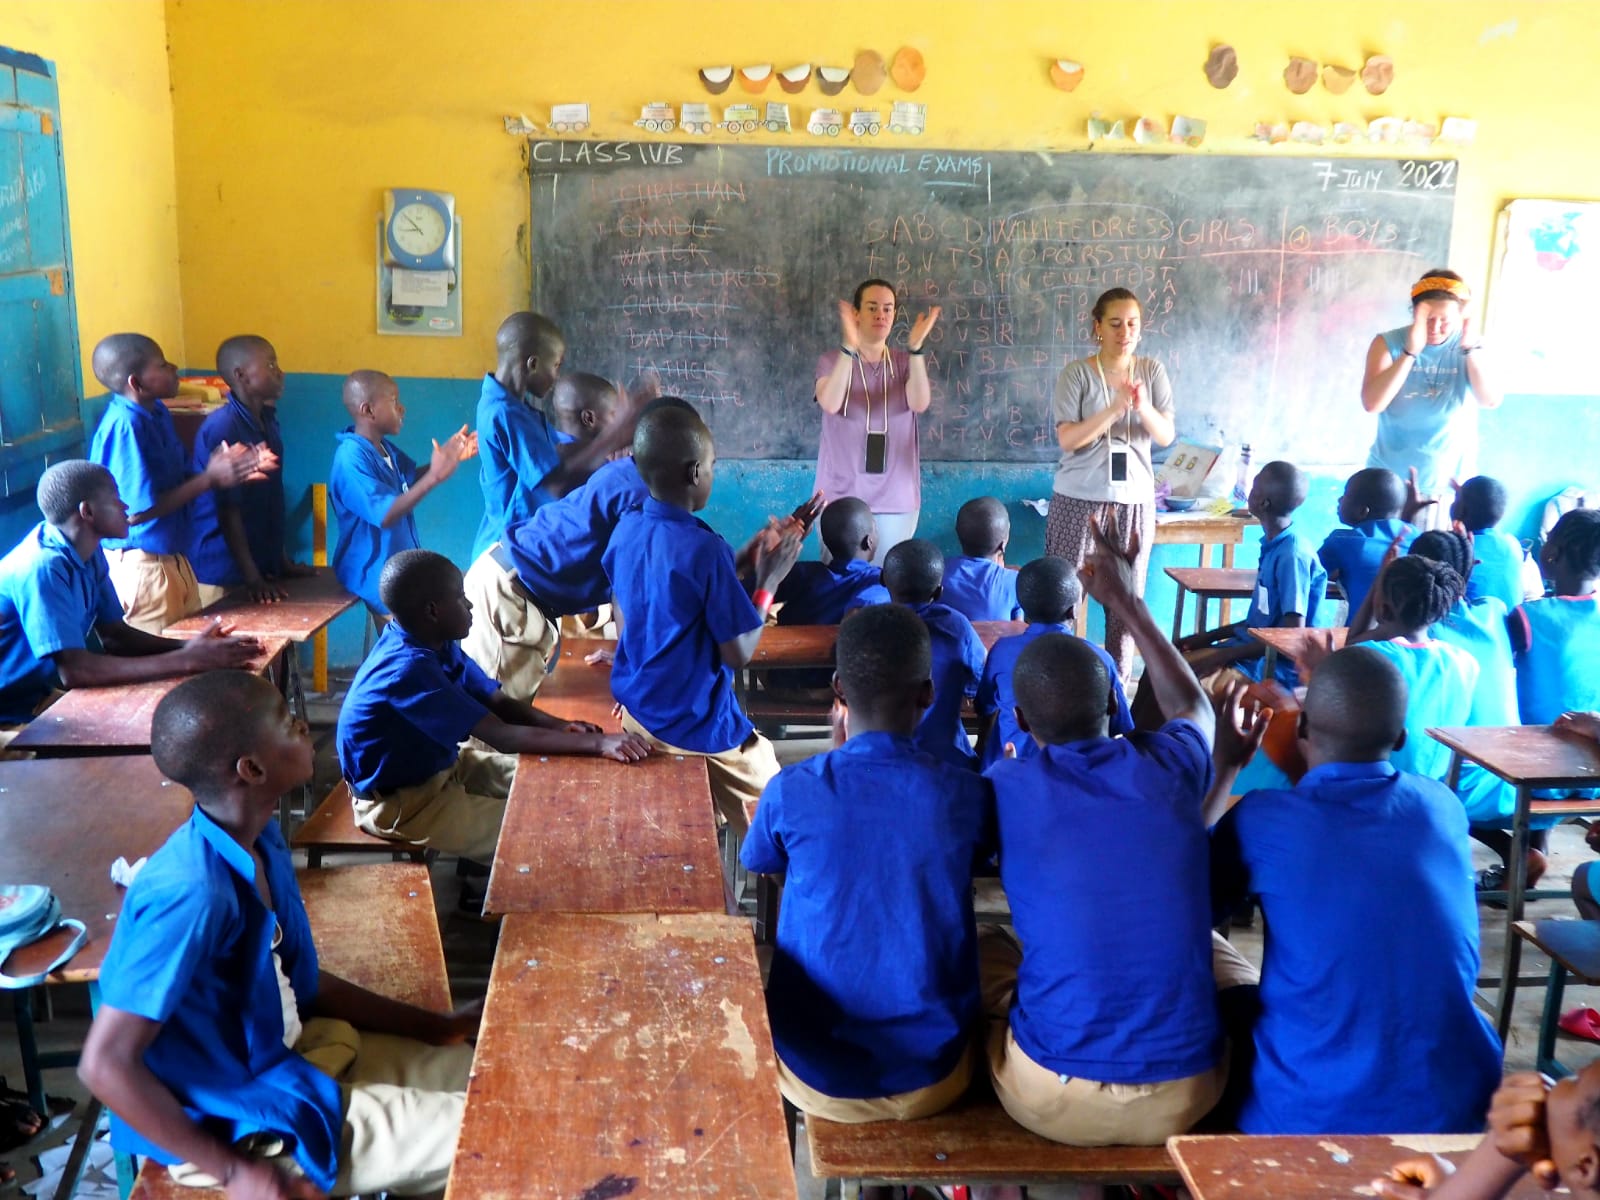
(1541, 295)
(419, 303)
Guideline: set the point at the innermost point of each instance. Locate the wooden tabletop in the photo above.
(63, 821)
(1535, 755)
(587, 835)
(577, 690)
(376, 927)
(1292, 642)
(812, 645)
(1236, 583)
(112, 720)
(623, 1056)
(1235, 1166)
(313, 602)
(1201, 528)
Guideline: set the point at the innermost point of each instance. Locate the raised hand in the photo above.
(922, 327)
(1316, 648)
(807, 512)
(1465, 339)
(849, 326)
(1415, 502)
(772, 557)
(1241, 724)
(1107, 572)
(1417, 335)
(457, 448)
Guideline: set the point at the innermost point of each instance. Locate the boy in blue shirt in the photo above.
(413, 703)
(239, 531)
(1367, 1023)
(1106, 1032)
(1502, 569)
(687, 623)
(1371, 508)
(55, 591)
(374, 485)
(976, 582)
(137, 442)
(1048, 591)
(856, 1042)
(218, 1031)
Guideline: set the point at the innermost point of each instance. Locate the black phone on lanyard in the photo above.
(877, 453)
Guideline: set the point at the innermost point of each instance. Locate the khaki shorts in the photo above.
(737, 775)
(458, 811)
(511, 638)
(156, 590)
(904, 1106)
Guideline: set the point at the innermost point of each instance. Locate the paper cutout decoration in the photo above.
(1337, 79)
(1307, 132)
(1274, 135)
(1299, 75)
(1460, 130)
(520, 125)
(1344, 132)
(908, 69)
(778, 117)
(1066, 74)
(907, 116)
(1378, 74)
(569, 118)
(1149, 131)
(716, 80)
(1101, 130)
(740, 118)
(825, 122)
(1222, 66)
(1188, 131)
(869, 72)
(831, 80)
(865, 122)
(657, 117)
(1419, 133)
(794, 80)
(1385, 130)
(755, 79)
(696, 117)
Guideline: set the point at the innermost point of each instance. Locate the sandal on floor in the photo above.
(1581, 1022)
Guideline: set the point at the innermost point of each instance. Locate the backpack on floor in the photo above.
(28, 912)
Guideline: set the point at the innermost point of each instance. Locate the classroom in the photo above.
(1306, 205)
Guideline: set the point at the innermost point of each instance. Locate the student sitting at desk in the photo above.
(856, 1042)
(1367, 1022)
(374, 485)
(1557, 639)
(1048, 591)
(1371, 510)
(55, 591)
(221, 1048)
(413, 703)
(1502, 568)
(1106, 1032)
(976, 582)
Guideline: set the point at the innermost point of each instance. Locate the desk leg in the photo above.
(1269, 661)
(1202, 614)
(1227, 565)
(295, 693)
(83, 1141)
(1516, 887)
(1177, 616)
(28, 1048)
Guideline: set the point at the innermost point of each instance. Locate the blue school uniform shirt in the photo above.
(362, 486)
(980, 590)
(674, 580)
(51, 598)
(996, 696)
(815, 593)
(1289, 579)
(192, 951)
(1440, 681)
(1367, 1023)
(840, 1021)
(1353, 554)
(957, 667)
(517, 448)
(407, 712)
(260, 504)
(140, 447)
(1498, 570)
(1130, 1000)
(557, 551)
(1557, 644)
(1479, 628)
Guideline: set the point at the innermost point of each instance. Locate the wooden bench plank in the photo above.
(331, 829)
(636, 1051)
(974, 1142)
(812, 645)
(1573, 944)
(587, 835)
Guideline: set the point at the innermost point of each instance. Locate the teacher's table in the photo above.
(112, 720)
(1207, 584)
(588, 835)
(1291, 643)
(1528, 757)
(1310, 1166)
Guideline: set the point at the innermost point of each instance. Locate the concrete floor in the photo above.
(469, 950)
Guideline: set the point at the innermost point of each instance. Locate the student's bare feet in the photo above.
(1537, 865)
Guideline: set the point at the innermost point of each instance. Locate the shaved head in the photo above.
(120, 356)
(205, 725)
(1355, 709)
(414, 579)
(237, 351)
(66, 485)
(913, 571)
(364, 387)
(1047, 590)
(667, 443)
(528, 335)
(1063, 689)
(847, 524)
(982, 526)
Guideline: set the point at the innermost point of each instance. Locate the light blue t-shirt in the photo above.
(1430, 424)
(1557, 644)
(1479, 628)
(1498, 570)
(1440, 681)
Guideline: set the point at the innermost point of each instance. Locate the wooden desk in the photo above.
(112, 720)
(1309, 1167)
(1208, 583)
(580, 691)
(812, 645)
(350, 907)
(636, 1050)
(587, 835)
(1291, 643)
(313, 603)
(1526, 757)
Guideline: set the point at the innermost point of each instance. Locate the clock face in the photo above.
(418, 229)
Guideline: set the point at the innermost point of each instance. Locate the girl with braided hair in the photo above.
(1557, 639)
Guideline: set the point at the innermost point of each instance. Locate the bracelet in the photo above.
(918, 352)
(1406, 353)
(1470, 349)
(762, 600)
(847, 352)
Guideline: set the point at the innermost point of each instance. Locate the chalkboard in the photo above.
(1262, 278)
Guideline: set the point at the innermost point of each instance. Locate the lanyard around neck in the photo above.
(888, 378)
(1127, 421)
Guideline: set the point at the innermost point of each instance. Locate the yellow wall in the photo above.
(291, 116)
(116, 122)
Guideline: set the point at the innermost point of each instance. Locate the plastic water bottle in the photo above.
(1241, 481)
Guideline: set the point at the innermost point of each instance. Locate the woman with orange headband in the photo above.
(1417, 380)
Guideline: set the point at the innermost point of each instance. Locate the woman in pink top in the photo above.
(870, 397)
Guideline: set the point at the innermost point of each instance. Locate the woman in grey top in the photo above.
(1109, 408)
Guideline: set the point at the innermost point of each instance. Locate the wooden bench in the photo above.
(331, 829)
(1574, 949)
(974, 1142)
(373, 925)
(1208, 584)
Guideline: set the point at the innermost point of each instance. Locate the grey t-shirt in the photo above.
(1085, 473)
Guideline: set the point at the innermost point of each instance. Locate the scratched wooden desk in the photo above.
(623, 1056)
(1207, 584)
(349, 907)
(1291, 643)
(112, 720)
(313, 602)
(578, 690)
(1309, 1167)
(587, 835)
(1528, 757)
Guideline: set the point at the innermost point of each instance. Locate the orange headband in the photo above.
(1441, 283)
